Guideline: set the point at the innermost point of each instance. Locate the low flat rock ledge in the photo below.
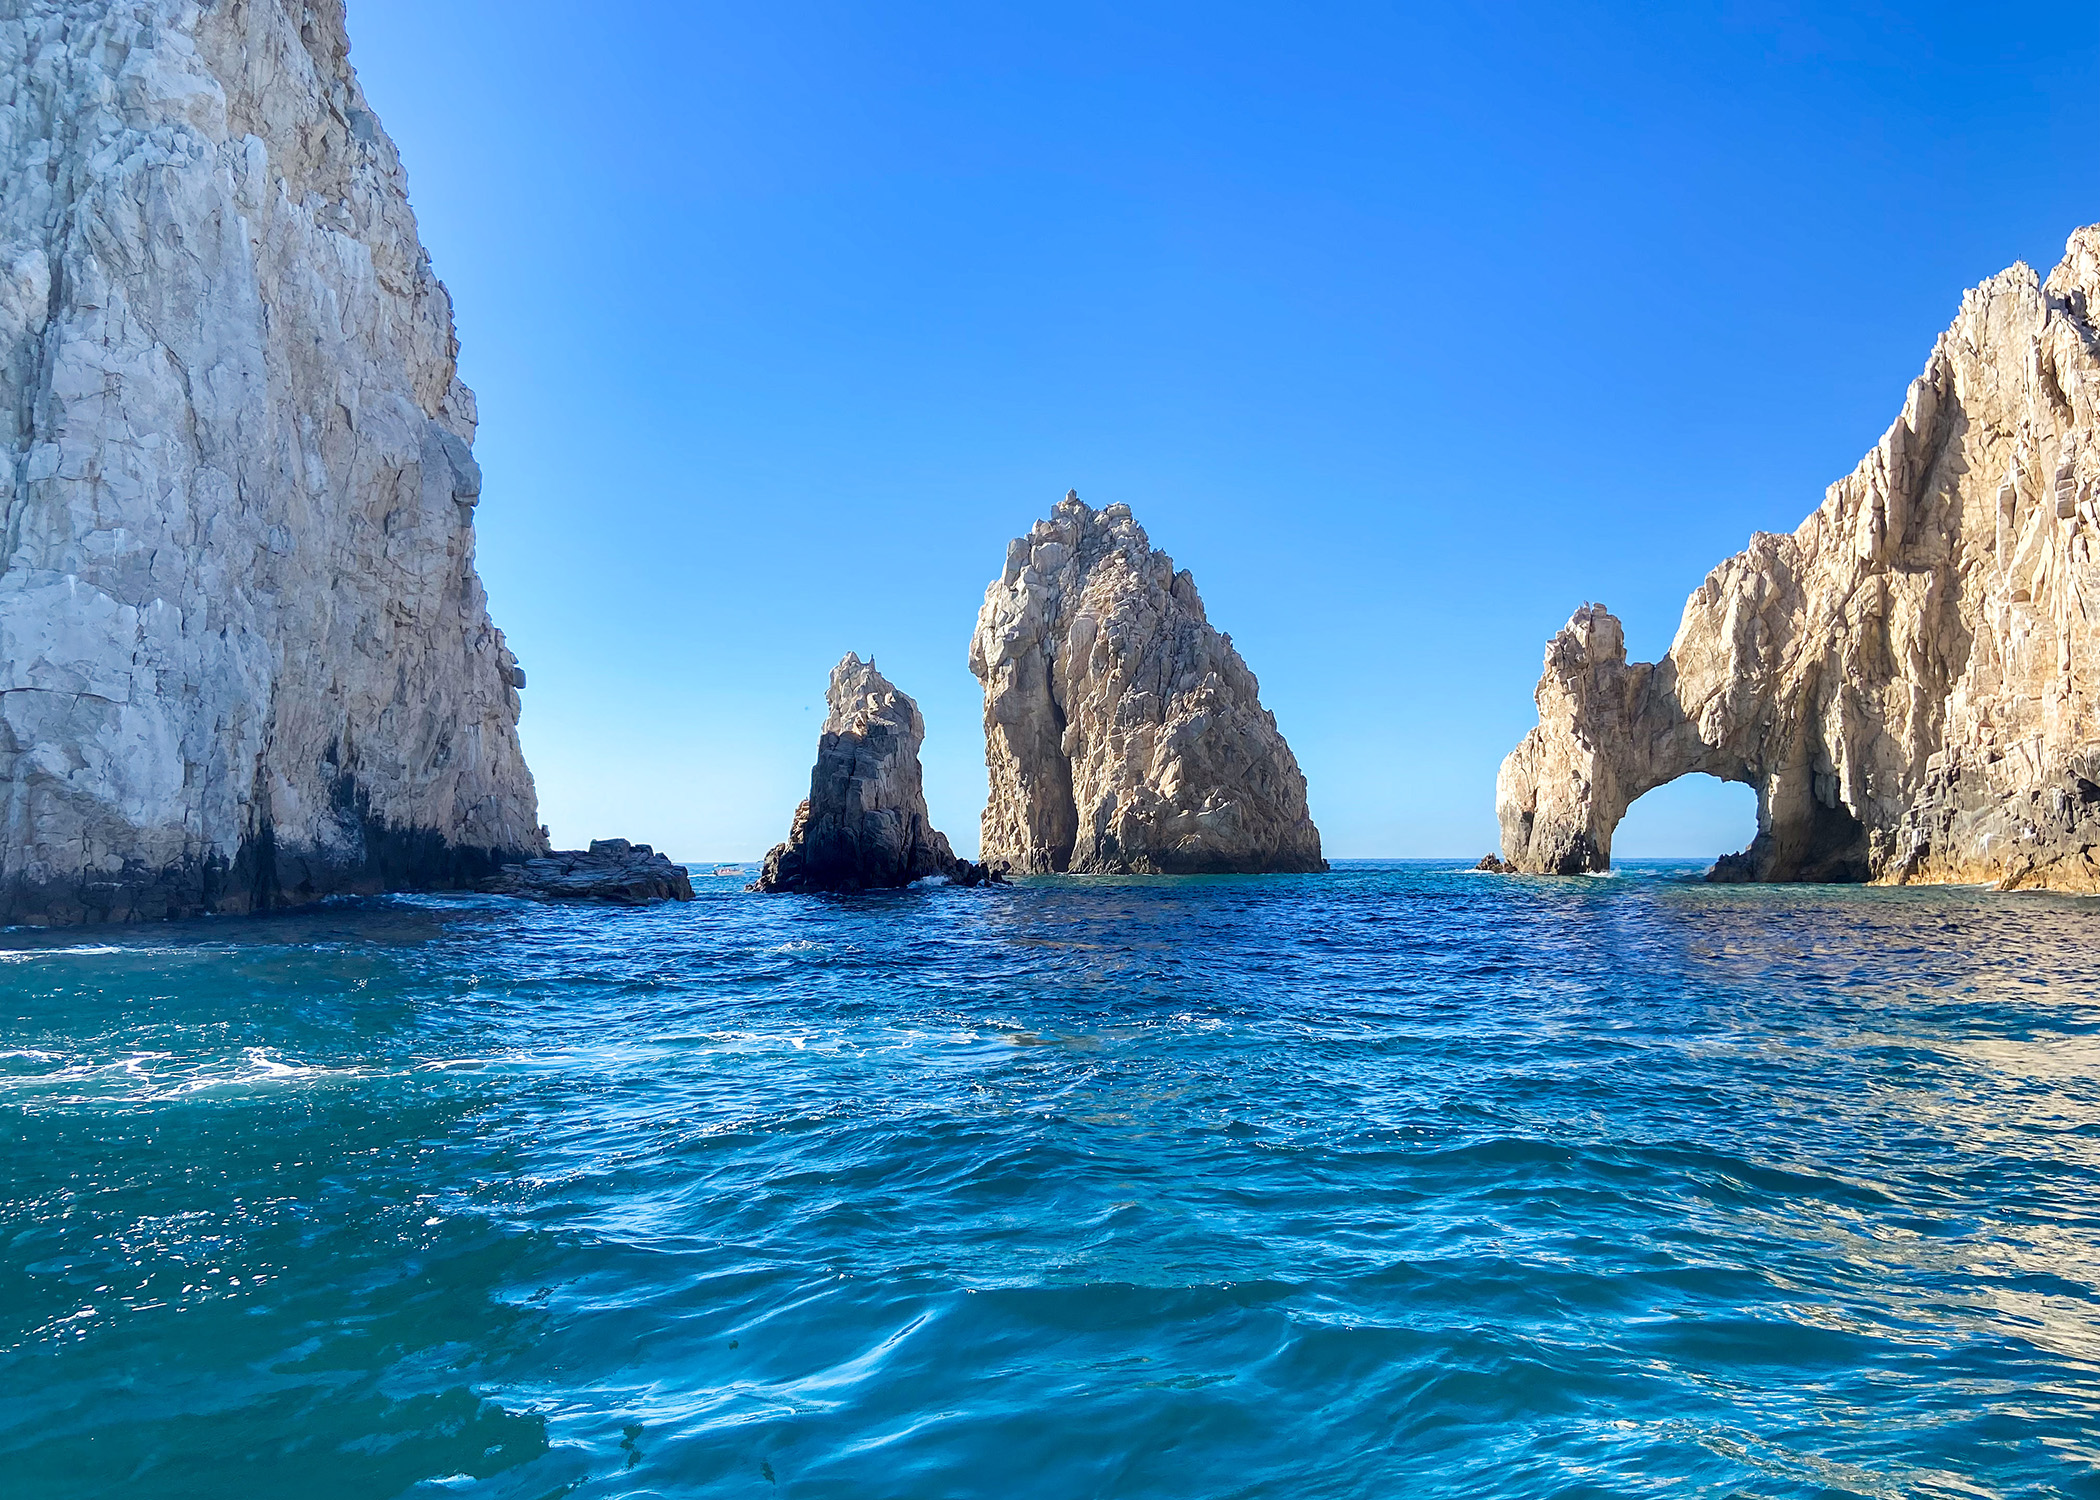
(611, 870)
(864, 825)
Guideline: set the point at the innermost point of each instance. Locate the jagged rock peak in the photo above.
(864, 825)
(1911, 679)
(244, 656)
(1122, 732)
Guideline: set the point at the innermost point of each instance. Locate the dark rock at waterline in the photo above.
(1495, 864)
(787, 869)
(1733, 869)
(864, 825)
(611, 870)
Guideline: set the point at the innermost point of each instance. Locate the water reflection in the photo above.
(1394, 1177)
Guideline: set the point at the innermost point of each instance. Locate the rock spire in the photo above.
(864, 825)
(1911, 679)
(244, 656)
(1123, 733)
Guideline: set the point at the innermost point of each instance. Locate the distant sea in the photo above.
(1398, 1181)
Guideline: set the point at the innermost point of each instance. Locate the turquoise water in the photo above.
(1397, 1181)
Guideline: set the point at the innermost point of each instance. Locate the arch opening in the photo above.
(1698, 818)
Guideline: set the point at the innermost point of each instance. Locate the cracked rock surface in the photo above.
(864, 825)
(1911, 679)
(245, 658)
(1123, 734)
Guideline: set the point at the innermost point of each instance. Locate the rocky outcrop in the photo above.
(1122, 733)
(611, 870)
(864, 825)
(244, 656)
(1911, 680)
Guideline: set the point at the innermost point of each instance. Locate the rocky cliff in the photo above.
(864, 825)
(1910, 679)
(1122, 732)
(244, 656)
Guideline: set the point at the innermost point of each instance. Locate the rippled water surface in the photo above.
(1395, 1181)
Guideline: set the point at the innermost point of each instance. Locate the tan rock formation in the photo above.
(1911, 680)
(244, 656)
(1122, 732)
(864, 825)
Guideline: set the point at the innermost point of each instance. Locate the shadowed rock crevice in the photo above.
(1911, 679)
(1828, 846)
(1123, 734)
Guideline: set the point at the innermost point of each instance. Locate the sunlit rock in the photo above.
(1911, 680)
(244, 655)
(1122, 732)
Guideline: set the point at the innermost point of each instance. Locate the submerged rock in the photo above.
(611, 870)
(1911, 679)
(244, 656)
(1122, 732)
(864, 825)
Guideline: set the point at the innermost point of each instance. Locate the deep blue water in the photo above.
(1397, 1181)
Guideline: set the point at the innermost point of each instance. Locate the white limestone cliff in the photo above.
(1911, 679)
(1122, 732)
(244, 655)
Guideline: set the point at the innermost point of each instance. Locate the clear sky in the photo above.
(1407, 328)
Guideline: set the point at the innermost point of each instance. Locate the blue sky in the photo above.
(1407, 328)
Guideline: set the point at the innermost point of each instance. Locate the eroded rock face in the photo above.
(1122, 733)
(1910, 680)
(864, 825)
(244, 656)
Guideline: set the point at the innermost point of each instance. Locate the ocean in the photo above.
(1395, 1181)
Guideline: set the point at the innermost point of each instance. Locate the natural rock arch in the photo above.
(1610, 731)
(1911, 679)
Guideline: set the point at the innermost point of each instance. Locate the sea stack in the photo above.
(1911, 679)
(244, 656)
(864, 825)
(1122, 733)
